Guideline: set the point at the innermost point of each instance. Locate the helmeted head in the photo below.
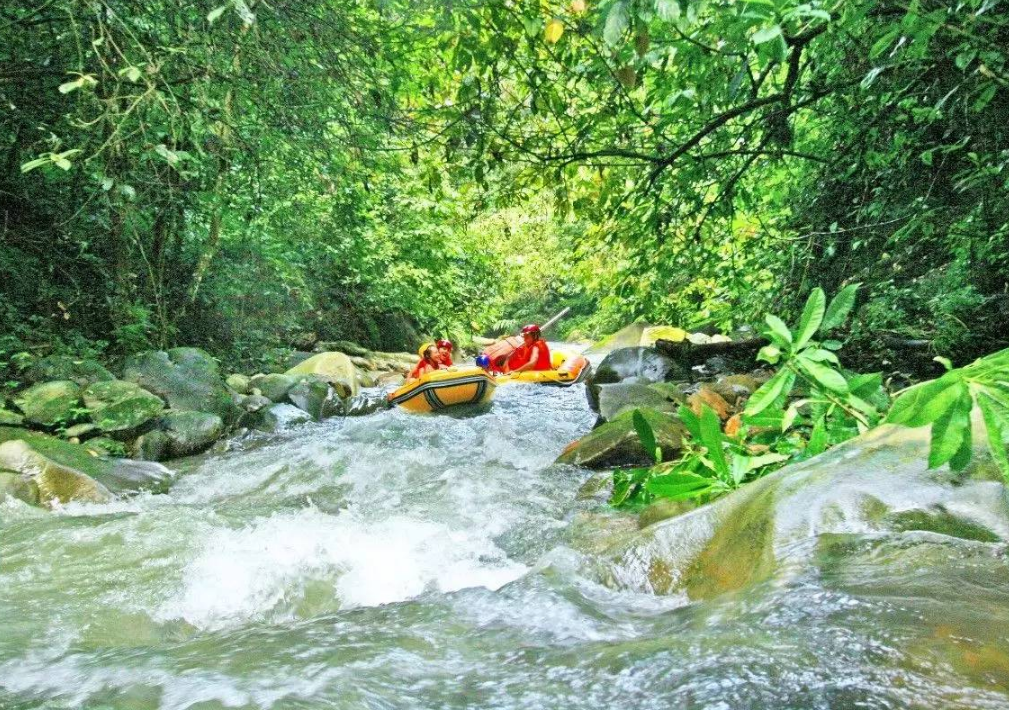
(483, 361)
(531, 332)
(444, 344)
(429, 352)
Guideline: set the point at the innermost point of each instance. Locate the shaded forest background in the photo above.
(249, 177)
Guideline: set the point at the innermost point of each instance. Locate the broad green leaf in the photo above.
(944, 361)
(778, 332)
(865, 385)
(770, 353)
(769, 392)
(839, 308)
(825, 376)
(964, 454)
(821, 355)
(766, 34)
(680, 486)
(949, 431)
(755, 462)
(791, 413)
(812, 317)
(646, 435)
(817, 438)
(996, 422)
(617, 22)
(711, 438)
(926, 402)
(215, 14)
(690, 421)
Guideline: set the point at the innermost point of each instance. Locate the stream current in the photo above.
(405, 561)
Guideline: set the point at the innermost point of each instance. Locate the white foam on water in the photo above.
(250, 572)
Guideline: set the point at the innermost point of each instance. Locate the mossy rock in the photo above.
(81, 431)
(9, 418)
(186, 378)
(310, 395)
(120, 408)
(19, 487)
(54, 481)
(365, 403)
(335, 367)
(190, 433)
(242, 384)
(278, 417)
(115, 475)
(274, 387)
(82, 371)
(50, 403)
(613, 400)
(152, 446)
(616, 443)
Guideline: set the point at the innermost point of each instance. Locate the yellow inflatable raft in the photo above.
(568, 369)
(445, 388)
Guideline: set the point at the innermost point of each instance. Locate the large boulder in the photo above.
(9, 418)
(274, 387)
(188, 433)
(19, 487)
(64, 367)
(278, 417)
(872, 493)
(242, 384)
(115, 475)
(53, 481)
(186, 378)
(613, 400)
(50, 403)
(310, 395)
(627, 337)
(637, 364)
(365, 403)
(616, 443)
(120, 408)
(335, 367)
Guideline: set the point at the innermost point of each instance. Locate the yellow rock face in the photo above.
(662, 332)
(335, 367)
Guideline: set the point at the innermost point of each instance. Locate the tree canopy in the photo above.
(238, 175)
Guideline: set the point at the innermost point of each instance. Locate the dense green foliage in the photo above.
(832, 406)
(253, 175)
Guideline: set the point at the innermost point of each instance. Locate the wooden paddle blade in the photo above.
(503, 348)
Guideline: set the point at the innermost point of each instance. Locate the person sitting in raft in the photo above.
(430, 361)
(532, 355)
(445, 351)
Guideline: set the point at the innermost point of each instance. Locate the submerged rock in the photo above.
(49, 403)
(365, 403)
(278, 417)
(875, 485)
(186, 378)
(19, 487)
(616, 443)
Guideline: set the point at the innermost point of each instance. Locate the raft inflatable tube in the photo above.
(568, 369)
(445, 388)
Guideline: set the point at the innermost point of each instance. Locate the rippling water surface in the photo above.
(404, 561)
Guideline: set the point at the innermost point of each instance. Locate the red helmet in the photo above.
(444, 343)
(531, 329)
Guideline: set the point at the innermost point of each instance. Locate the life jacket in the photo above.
(422, 368)
(525, 353)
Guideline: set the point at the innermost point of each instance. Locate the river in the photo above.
(405, 561)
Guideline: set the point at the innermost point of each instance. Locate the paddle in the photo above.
(505, 347)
